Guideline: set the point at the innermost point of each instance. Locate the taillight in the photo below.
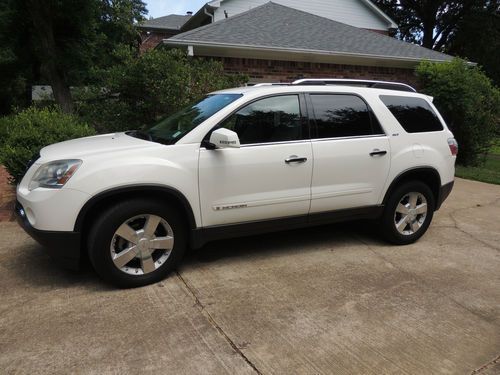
(452, 142)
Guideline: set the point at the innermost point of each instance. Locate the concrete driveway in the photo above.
(333, 300)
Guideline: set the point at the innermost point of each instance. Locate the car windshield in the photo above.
(169, 130)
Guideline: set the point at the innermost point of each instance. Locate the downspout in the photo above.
(209, 14)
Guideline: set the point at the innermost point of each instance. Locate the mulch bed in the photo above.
(7, 196)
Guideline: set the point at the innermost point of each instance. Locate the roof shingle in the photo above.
(277, 26)
(170, 22)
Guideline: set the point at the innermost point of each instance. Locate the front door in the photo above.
(269, 176)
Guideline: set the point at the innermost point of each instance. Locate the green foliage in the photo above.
(488, 172)
(150, 86)
(431, 23)
(495, 148)
(468, 101)
(15, 60)
(24, 134)
(465, 28)
(61, 43)
(110, 26)
(478, 39)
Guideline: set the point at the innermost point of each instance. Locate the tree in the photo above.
(42, 14)
(145, 88)
(15, 60)
(469, 28)
(478, 38)
(116, 28)
(468, 101)
(430, 23)
(61, 42)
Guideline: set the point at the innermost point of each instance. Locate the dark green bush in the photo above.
(468, 101)
(24, 134)
(147, 87)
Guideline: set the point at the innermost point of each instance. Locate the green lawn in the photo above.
(489, 172)
(495, 149)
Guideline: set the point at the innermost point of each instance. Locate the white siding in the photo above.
(351, 12)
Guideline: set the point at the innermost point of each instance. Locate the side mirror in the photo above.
(224, 138)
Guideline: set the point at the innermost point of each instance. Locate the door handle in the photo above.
(295, 159)
(378, 152)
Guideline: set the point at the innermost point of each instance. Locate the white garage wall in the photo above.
(351, 12)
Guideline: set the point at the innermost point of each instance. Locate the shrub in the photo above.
(468, 101)
(24, 134)
(150, 86)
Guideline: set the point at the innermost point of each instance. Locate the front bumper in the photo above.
(63, 247)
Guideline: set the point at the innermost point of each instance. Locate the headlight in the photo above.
(54, 174)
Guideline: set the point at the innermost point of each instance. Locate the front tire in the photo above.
(408, 213)
(137, 242)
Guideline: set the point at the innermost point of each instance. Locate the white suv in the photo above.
(239, 162)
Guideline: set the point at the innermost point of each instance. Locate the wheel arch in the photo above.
(429, 175)
(111, 196)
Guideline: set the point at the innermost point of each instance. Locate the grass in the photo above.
(488, 172)
(495, 149)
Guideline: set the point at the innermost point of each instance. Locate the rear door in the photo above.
(270, 175)
(351, 153)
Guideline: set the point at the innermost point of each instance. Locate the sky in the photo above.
(158, 8)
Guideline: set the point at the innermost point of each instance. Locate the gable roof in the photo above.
(368, 3)
(170, 22)
(275, 27)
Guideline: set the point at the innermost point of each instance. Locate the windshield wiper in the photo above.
(141, 134)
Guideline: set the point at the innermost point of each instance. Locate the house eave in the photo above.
(375, 9)
(202, 12)
(157, 28)
(381, 13)
(210, 49)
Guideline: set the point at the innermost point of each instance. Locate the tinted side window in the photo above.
(342, 116)
(275, 119)
(414, 114)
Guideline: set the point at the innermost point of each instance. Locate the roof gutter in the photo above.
(173, 42)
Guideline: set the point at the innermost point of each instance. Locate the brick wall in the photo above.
(151, 39)
(7, 196)
(286, 71)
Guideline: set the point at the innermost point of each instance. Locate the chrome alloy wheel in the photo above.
(142, 244)
(410, 213)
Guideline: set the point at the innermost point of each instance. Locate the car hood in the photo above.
(81, 147)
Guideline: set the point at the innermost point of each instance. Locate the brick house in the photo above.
(284, 40)
(153, 31)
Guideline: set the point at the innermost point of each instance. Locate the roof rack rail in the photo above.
(270, 84)
(356, 82)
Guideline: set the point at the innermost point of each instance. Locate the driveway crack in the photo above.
(456, 224)
(214, 323)
(457, 227)
(485, 367)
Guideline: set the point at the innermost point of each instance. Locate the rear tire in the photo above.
(137, 242)
(408, 213)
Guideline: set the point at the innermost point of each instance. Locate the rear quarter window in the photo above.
(414, 114)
